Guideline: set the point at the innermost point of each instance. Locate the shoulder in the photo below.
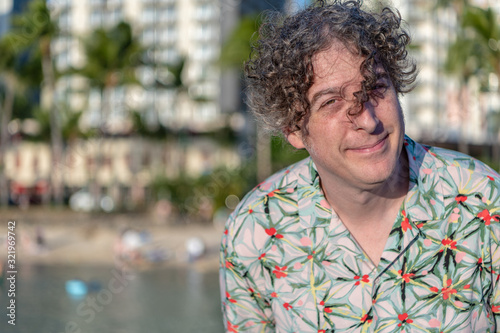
(450, 158)
(253, 208)
(445, 174)
(446, 160)
(459, 174)
(465, 170)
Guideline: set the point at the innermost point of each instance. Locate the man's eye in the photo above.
(329, 102)
(378, 91)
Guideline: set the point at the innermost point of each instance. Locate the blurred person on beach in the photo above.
(373, 232)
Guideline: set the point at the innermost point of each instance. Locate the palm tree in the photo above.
(486, 30)
(112, 57)
(9, 80)
(33, 32)
(167, 77)
(19, 72)
(476, 53)
(237, 47)
(235, 52)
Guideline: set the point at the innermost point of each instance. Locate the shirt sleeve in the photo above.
(493, 215)
(244, 308)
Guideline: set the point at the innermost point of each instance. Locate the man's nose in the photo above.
(366, 119)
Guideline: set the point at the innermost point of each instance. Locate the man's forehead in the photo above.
(336, 68)
(337, 58)
(342, 60)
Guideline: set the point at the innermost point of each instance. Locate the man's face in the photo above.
(362, 150)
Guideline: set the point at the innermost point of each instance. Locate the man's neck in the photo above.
(369, 214)
(356, 205)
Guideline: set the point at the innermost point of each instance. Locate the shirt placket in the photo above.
(382, 282)
(372, 272)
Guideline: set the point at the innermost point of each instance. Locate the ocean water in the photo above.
(155, 301)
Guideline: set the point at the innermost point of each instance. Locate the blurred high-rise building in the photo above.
(172, 32)
(440, 109)
(194, 30)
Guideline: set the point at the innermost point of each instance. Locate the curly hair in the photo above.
(280, 71)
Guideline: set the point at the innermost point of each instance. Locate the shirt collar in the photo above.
(424, 201)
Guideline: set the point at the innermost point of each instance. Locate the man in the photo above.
(373, 232)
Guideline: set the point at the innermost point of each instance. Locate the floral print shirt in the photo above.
(288, 264)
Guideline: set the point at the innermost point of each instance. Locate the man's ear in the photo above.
(295, 138)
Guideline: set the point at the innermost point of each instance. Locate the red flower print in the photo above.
(406, 276)
(495, 308)
(274, 294)
(262, 256)
(490, 178)
(404, 319)
(226, 232)
(486, 217)
(447, 242)
(271, 194)
(287, 306)
(405, 224)
(280, 272)
(229, 265)
(230, 299)
(480, 264)
(366, 319)
(460, 198)
(321, 331)
(322, 303)
(328, 310)
(446, 291)
(232, 328)
(272, 232)
(365, 279)
(309, 257)
(250, 211)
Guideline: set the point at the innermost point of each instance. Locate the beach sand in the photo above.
(74, 238)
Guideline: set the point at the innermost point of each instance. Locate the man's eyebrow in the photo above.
(327, 91)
